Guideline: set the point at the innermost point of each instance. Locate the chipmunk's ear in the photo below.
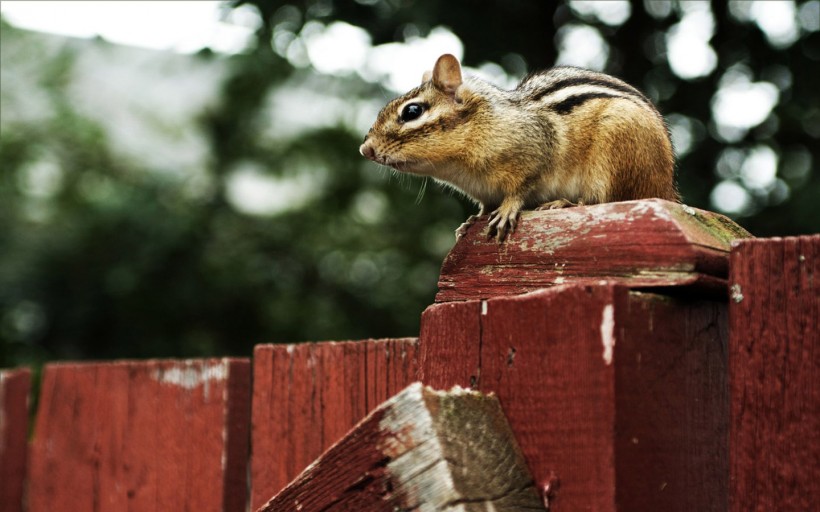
(427, 76)
(447, 74)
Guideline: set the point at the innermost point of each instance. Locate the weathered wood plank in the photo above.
(619, 395)
(647, 243)
(671, 392)
(14, 396)
(458, 361)
(307, 396)
(774, 356)
(142, 436)
(420, 450)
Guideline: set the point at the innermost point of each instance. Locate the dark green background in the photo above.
(153, 273)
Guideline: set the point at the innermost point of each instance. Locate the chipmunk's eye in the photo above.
(411, 111)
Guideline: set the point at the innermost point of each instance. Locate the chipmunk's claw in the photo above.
(502, 222)
(462, 230)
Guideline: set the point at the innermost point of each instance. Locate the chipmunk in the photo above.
(563, 137)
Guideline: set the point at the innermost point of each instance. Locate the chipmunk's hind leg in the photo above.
(559, 203)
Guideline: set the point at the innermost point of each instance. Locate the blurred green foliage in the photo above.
(123, 262)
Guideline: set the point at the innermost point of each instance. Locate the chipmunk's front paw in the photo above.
(503, 221)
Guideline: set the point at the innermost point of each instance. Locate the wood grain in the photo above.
(648, 243)
(420, 450)
(307, 396)
(142, 436)
(618, 395)
(14, 396)
(775, 374)
(671, 401)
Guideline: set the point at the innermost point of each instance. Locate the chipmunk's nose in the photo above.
(367, 151)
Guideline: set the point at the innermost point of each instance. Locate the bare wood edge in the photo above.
(420, 450)
(668, 283)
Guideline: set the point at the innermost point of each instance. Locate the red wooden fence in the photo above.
(620, 394)
(420, 450)
(774, 371)
(307, 396)
(630, 377)
(155, 435)
(14, 391)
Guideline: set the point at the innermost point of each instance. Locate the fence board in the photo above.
(307, 396)
(679, 246)
(619, 395)
(142, 436)
(458, 361)
(14, 396)
(775, 374)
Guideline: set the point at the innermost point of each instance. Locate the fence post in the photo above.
(613, 378)
(14, 397)
(774, 365)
